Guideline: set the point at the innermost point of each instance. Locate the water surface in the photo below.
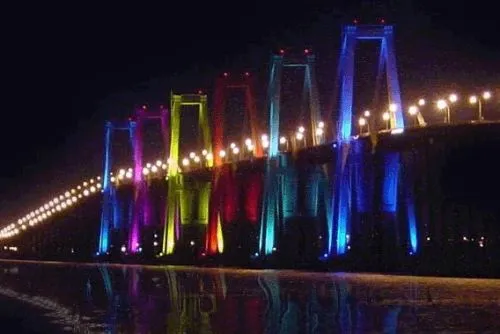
(145, 299)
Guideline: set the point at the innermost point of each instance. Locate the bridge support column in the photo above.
(342, 200)
(361, 162)
(279, 202)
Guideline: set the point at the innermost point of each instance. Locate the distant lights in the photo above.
(413, 110)
(453, 98)
(441, 104)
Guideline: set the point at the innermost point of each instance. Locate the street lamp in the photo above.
(474, 99)
(442, 105)
(367, 113)
(453, 98)
(362, 123)
(421, 102)
(413, 111)
(284, 141)
(386, 117)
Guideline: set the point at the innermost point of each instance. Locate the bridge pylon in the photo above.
(110, 216)
(279, 185)
(340, 225)
(224, 186)
(176, 201)
(224, 84)
(141, 207)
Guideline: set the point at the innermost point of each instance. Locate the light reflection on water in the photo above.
(139, 299)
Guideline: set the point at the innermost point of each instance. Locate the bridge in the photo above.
(345, 186)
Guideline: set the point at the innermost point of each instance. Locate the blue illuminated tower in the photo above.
(279, 196)
(341, 203)
(109, 218)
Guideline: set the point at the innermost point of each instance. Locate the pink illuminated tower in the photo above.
(141, 215)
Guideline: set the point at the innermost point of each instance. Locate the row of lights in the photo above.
(70, 197)
(445, 104)
(58, 204)
(441, 104)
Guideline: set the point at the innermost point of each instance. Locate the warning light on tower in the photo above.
(355, 21)
(225, 74)
(247, 74)
(306, 51)
(382, 21)
(282, 51)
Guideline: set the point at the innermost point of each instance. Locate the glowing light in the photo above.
(248, 142)
(321, 124)
(121, 172)
(299, 135)
(209, 156)
(128, 175)
(92, 189)
(302, 129)
(196, 159)
(421, 102)
(413, 110)
(236, 150)
(319, 132)
(453, 98)
(264, 138)
(366, 113)
(85, 193)
(393, 107)
(265, 144)
(192, 155)
(185, 162)
(441, 104)
(473, 99)
(222, 153)
(486, 95)
(362, 121)
(204, 152)
(232, 145)
(282, 140)
(158, 163)
(386, 116)
(154, 169)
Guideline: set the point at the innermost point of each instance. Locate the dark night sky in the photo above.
(68, 68)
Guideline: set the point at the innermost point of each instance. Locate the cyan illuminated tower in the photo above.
(141, 208)
(175, 200)
(110, 216)
(279, 187)
(351, 34)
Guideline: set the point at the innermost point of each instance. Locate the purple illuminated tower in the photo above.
(141, 207)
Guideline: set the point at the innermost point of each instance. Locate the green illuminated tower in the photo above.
(176, 201)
